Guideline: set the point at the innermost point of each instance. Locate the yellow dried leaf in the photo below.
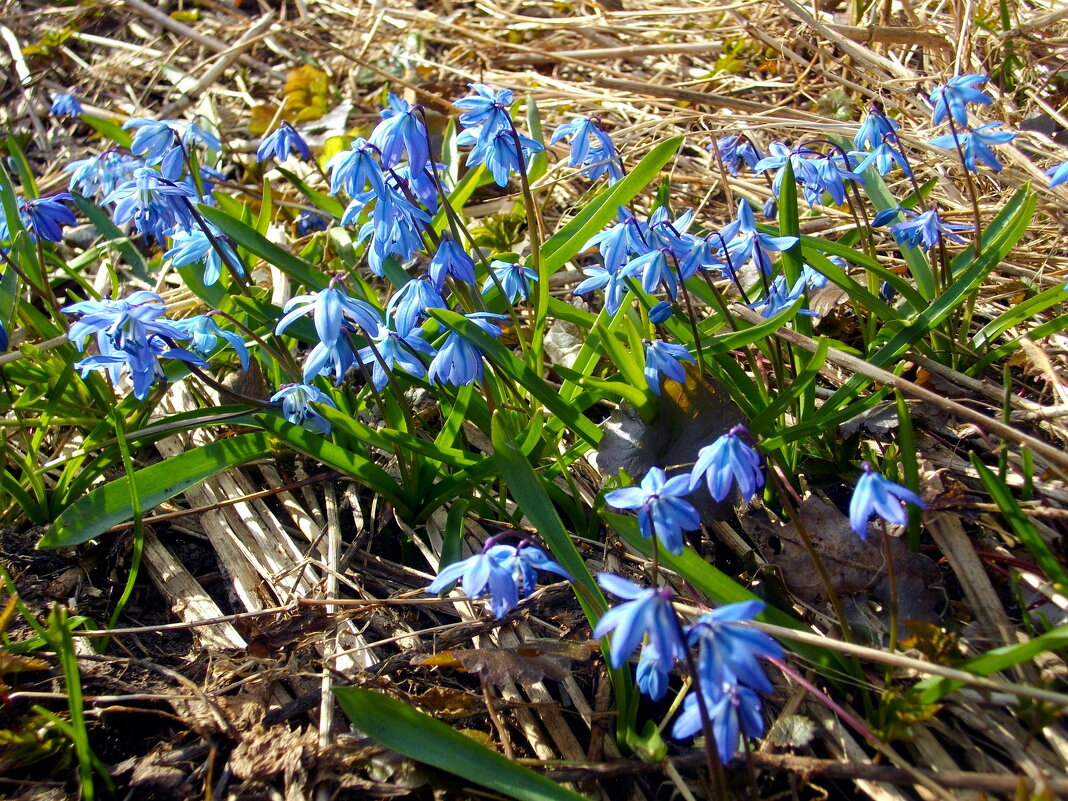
(262, 117)
(306, 93)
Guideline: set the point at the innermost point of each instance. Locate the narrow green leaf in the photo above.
(403, 729)
(115, 237)
(109, 505)
(1021, 526)
(326, 203)
(247, 237)
(109, 129)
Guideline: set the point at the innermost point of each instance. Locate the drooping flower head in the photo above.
(282, 141)
(953, 98)
(875, 494)
(65, 105)
(725, 461)
(664, 358)
(297, 409)
(647, 613)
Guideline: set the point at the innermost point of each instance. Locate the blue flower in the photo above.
(652, 674)
(745, 242)
(830, 177)
(661, 508)
(355, 169)
(926, 229)
(781, 297)
(296, 406)
(401, 129)
(660, 312)
(157, 143)
(884, 156)
(155, 205)
(875, 494)
(3, 338)
(875, 130)
(44, 216)
(330, 309)
(736, 149)
(612, 280)
(725, 461)
(123, 323)
(620, 241)
(953, 98)
(728, 650)
(666, 358)
(646, 613)
(732, 711)
(515, 279)
(409, 304)
(975, 144)
(656, 267)
(281, 142)
(397, 352)
(804, 171)
(194, 247)
(451, 259)
(499, 571)
(204, 335)
(1057, 174)
(193, 134)
(140, 359)
(592, 149)
(101, 174)
(459, 361)
(64, 105)
(487, 111)
(498, 152)
(309, 222)
(393, 230)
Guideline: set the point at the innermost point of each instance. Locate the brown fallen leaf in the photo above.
(498, 666)
(854, 565)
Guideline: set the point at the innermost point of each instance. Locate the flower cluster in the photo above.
(729, 675)
(662, 510)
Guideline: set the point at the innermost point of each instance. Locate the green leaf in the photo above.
(115, 237)
(247, 237)
(330, 205)
(109, 129)
(109, 505)
(520, 372)
(568, 241)
(407, 731)
(1021, 526)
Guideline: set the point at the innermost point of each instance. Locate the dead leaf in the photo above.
(498, 666)
(854, 565)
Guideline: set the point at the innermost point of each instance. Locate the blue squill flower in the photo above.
(515, 279)
(884, 157)
(1057, 174)
(282, 141)
(395, 352)
(830, 177)
(297, 409)
(395, 228)
(204, 335)
(875, 494)
(451, 259)
(975, 144)
(498, 152)
(409, 304)
(781, 297)
(652, 674)
(121, 323)
(486, 110)
(655, 268)
(953, 98)
(194, 134)
(141, 359)
(195, 247)
(661, 508)
(725, 461)
(499, 571)
(728, 650)
(735, 150)
(733, 710)
(612, 281)
(356, 169)
(99, 175)
(647, 613)
(158, 144)
(592, 149)
(401, 131)
(459, 361)
(65, 105)
(926, 229)
(745, 242)
(309, 222)
(3, 338)
(664, 358)
(804, 172)
(331, 310)
(660, 312)
(876, 129)
(155, 205)
(45, 216)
